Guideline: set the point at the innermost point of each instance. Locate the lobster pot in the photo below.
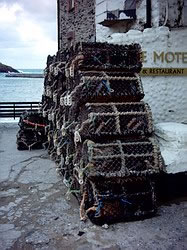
(126, 88)
(120, 158)
(114, 200)
(104, 120)
(99, 91)
(104, 89)
(104, 56)
(112, 81)
(29, 139)
(32, 120)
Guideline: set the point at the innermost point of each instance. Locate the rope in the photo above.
(34, 124)
(122, 154)
(99, 78)
(102, 125)
(83, 216)
(120, 104)
(117, 119)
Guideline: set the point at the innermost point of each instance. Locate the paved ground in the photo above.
(34, 213)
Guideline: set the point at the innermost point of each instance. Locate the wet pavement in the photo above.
(35, 213)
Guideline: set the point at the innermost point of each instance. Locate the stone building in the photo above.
(88, 19)
(76, 21)
(160, 27)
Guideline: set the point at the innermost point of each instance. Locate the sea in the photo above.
(13, 89)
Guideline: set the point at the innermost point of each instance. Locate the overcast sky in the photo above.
(27, 32)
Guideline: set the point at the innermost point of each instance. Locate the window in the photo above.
(110, 12)
(125, 11)
(130, 8)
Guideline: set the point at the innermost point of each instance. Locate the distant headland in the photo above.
(6, 69)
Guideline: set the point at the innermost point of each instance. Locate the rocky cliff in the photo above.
(5, 69)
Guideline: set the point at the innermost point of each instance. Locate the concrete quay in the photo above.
(35, 214)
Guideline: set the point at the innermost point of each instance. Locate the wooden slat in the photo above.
(10, 115)
(15, 109)
(19, 103)
(18, 107)
(10, 110)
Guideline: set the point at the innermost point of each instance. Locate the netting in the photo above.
(108, 201)
(104, 56)
(32, 131)
(109, 83)
(114, 120)
(119, 158)
(101, 90)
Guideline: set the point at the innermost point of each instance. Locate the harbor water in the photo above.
(21, 89)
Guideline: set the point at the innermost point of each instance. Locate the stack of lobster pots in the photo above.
(100, 132)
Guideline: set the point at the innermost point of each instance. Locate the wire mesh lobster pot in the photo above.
(108, 88)
(120, 158)
(28, 139)
(32, 119)
(112, 200)
(100, 91)
(32, 131)
(104, 56)
(111, 82)
(114, 120)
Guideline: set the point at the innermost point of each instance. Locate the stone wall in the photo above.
(76, 24)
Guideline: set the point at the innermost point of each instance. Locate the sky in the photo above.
(27, 32)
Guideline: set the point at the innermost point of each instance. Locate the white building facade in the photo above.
(164, 45)
(159, 26)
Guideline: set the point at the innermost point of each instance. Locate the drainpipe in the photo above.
(148, 14)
